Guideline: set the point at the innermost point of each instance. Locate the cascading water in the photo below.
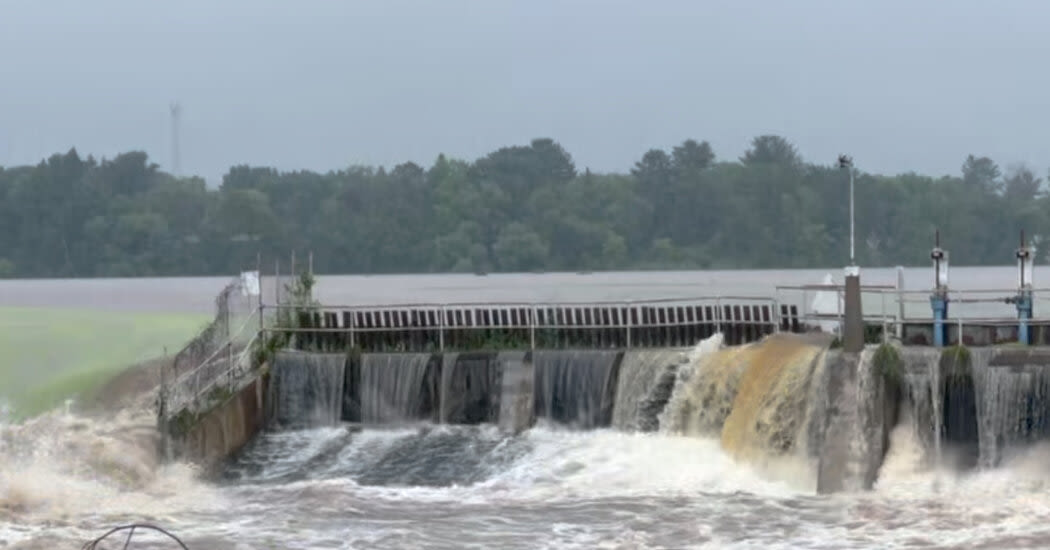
(306, 389)
(703, 391)
(576, 387)
(1013, 400)
(753, 398)
(645, 383)
(471, 384)
(922, 396)
(398, 387)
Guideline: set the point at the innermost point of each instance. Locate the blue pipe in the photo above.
(939, 303)
(1024, 313)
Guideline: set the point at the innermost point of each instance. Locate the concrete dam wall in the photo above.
(788, 401)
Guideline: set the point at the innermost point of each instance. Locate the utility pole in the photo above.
(176, 112)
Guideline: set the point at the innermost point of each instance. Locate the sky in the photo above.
(900, 85)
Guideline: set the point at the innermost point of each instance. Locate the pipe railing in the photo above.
(626, 317)
(225, 364)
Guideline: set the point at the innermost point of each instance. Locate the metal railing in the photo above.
(892, 307)
(218, 374)
(446, 319)
(211, 365)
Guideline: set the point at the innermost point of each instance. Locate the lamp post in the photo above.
(846, 163)
(853, 331)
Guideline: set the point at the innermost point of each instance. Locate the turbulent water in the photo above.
(645, 383)
(694, 481)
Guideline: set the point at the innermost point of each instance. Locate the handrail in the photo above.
(214, 354)
(522, 304)
(926, 292)
(833, 287)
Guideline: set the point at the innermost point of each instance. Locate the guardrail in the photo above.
(218, 374)
(893, 308)
(626, 324)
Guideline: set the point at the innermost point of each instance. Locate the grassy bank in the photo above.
(48, 354)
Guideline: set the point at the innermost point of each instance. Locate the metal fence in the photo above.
(892, 307)
(210, 365)
(677, 321)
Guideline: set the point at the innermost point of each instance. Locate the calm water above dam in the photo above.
(196, 294)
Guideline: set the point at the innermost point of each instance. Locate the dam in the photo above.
(276, 433)
(779, 382)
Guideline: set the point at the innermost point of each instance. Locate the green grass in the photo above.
(49, 354)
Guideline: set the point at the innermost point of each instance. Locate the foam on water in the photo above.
(475, 487)
(68, 477)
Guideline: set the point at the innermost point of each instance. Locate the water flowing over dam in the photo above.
(708, 439)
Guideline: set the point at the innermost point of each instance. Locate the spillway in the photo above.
(644, 386)
(576, 387)
(306, 389)
(399, 387)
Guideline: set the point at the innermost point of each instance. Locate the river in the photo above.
(65, 479)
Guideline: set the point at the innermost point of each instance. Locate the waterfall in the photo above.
(923, 387)
(1012, 392)
(758, 399)
(769, 410)
(646, 380)
(306, 389)
(704, 390)
(576, 387)
(471, 384)
(398, 387)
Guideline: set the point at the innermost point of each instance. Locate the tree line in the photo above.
(520, 208)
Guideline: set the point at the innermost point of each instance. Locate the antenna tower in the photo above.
(176, 112)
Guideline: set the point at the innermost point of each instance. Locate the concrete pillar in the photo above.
(853, 326)
(517, 393)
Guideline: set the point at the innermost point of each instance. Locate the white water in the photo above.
(65, 480)
(548, 488)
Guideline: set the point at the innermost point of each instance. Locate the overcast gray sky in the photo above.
(901, 85)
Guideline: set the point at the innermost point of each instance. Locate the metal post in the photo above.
(940, 306)
(1024, 292)
(900, 302)
(627, 319)
(259, 275)
(851, 255)
(353, 322)
(532, 328)
(846, 162)
(939, 298)
(718, 315)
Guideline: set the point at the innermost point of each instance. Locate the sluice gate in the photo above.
(428, 328)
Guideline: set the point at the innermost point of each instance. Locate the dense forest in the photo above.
(520, 208)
